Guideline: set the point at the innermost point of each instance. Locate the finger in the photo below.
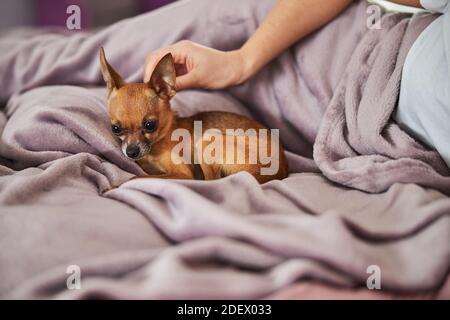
(152, 60)
(179, 57)
(186, 81)
(150, 65)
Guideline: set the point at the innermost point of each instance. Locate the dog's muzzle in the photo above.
(135, 151)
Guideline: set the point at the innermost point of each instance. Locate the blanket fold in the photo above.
(358, 143)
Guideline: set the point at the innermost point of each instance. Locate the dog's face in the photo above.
(140, 112)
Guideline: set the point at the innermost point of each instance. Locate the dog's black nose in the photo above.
(133, 151)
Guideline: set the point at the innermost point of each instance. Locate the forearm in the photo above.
(410, 3)
(287, 22)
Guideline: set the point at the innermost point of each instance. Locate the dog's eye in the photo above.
(116, 129)
(150, 125)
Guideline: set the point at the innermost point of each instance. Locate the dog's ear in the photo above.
(113, 80)
(163, 78)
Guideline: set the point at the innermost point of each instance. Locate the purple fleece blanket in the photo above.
(331, 95)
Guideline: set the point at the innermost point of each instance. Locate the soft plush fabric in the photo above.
(361, 191)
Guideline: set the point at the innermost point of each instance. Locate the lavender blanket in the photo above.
(331, 95)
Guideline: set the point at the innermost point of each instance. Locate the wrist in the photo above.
(243, 64)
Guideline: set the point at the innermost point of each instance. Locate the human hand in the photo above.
(198, 66)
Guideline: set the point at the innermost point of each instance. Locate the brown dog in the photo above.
(214, 144)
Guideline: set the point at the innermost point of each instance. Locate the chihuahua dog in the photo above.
(223, 143)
